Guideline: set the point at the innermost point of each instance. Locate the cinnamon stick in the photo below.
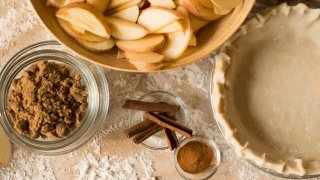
(146, 134)
(171, 138)
(136, 129)
(168, 123)
(150, 106)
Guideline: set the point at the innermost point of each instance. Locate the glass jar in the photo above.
(208, 172)
(92, 77)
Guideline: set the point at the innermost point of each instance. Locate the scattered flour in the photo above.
(16, 17)
(113, 167)
(27, 166)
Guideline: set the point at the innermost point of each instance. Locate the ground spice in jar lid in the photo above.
(195, 157)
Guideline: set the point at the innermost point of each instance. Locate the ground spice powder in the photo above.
(195, 157)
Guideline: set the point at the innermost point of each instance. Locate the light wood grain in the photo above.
(208, 39)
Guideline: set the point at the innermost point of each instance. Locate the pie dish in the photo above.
(266, 90)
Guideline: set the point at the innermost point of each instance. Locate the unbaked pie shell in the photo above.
(254, 80)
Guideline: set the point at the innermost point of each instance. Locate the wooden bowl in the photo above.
(208, 39)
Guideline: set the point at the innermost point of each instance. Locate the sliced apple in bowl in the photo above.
(148, 61)
(146, 44)
(221, 11)
(85, 16)
(176, 26)
(198, 10)
(100, 46)
(122, 7)
(163, 3)
(178, 42)
(126, 30)
(145, 67)
(130, 14)
(155, 18)
(117, 3)
(197, 23)
(87, 36)
(148, 57)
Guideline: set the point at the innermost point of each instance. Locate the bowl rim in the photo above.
(205, 51)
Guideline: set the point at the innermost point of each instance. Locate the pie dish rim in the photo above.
(296, 168)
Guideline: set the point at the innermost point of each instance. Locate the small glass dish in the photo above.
(92, 77)
(208, 172)
(158, 141)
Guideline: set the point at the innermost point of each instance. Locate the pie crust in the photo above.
(266, 90)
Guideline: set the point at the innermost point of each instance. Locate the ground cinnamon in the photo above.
(195, 157)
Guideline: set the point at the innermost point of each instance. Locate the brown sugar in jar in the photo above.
(47, 101)
(195, 157)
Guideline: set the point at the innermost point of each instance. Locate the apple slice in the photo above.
(87, 17)
(77, 28)
(102, 5)
(117, 3)
(221, 11)
(87, 36)
(196, 8)
(163, 3)
(126, 30)
(147, 44)
(55, 3)
(146, 67)
(149, 61)
(178, 42)
(176, 26)
(193, 40)
(155, 18)
(224, 4)
(130, 14)
(72, 1)
(5, 146)
(122, 7)
(147, 57)
(206, 4)
(196, 23)
(100, 46)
